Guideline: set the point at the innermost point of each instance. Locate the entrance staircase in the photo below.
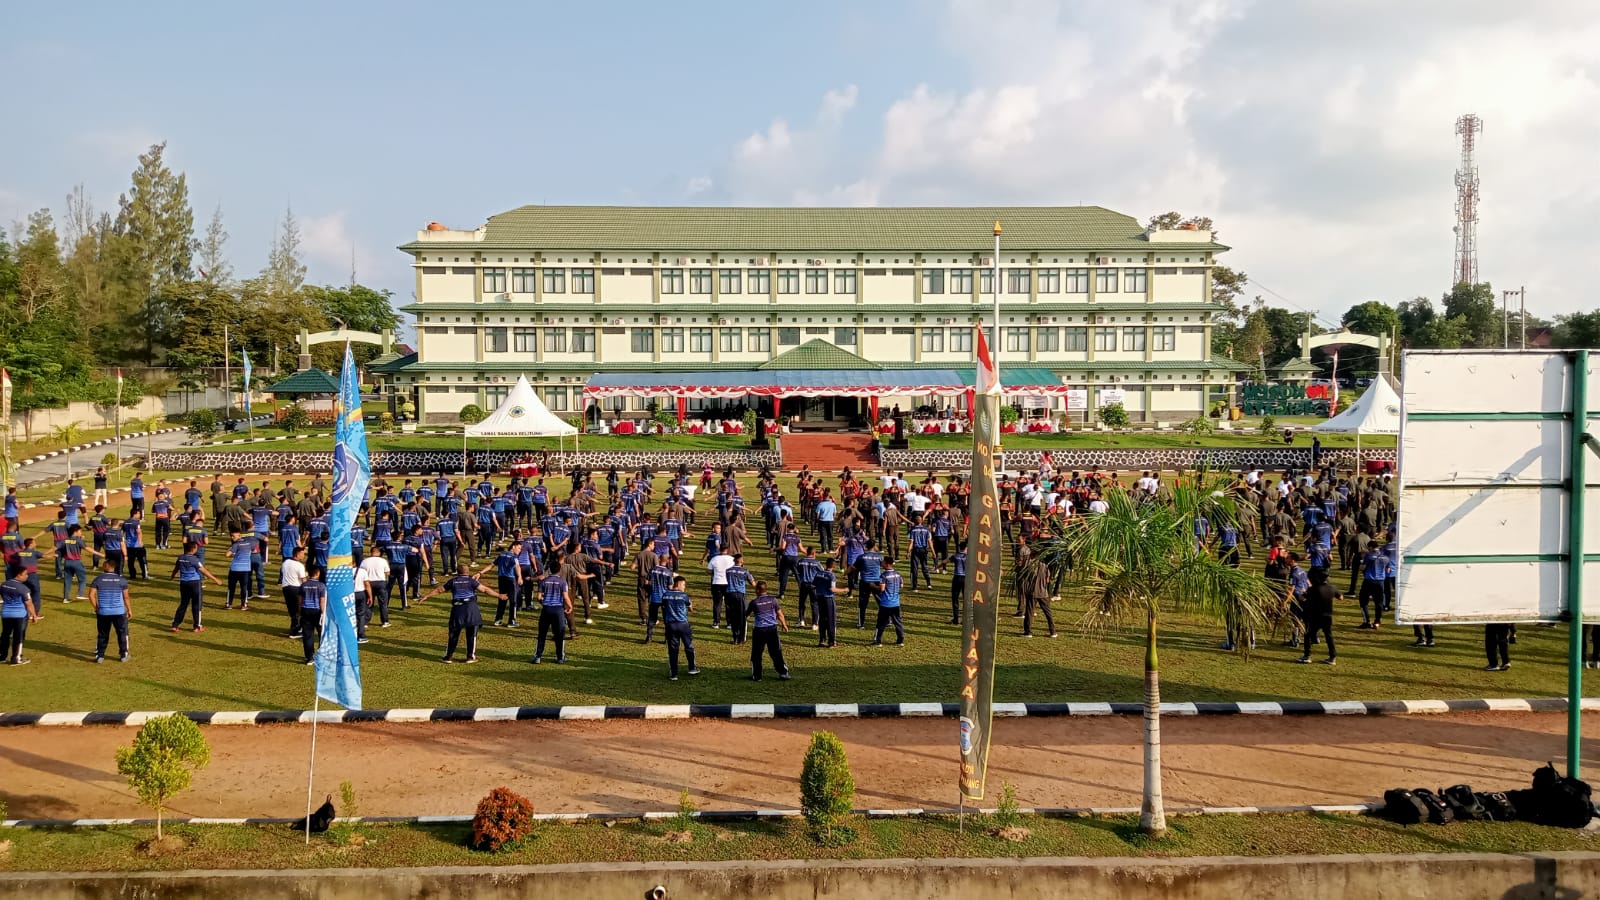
(828, 451)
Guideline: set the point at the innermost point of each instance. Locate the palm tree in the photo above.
(67, 435)
(1140, 559)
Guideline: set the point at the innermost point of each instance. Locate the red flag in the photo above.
(119, 377)
(988, 377)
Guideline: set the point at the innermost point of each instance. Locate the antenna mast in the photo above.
(1468, 127)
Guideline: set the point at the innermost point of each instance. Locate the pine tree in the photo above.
(214, 265)
(285, 272)
(156, 219)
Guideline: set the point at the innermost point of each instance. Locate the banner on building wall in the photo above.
(1112, 395)
(1077, 398)
(980, 604)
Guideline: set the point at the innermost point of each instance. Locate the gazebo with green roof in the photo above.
(304, 383)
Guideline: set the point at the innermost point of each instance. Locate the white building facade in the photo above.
(562, 293)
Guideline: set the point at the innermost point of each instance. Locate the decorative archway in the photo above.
(1380, 343)
(385, 341)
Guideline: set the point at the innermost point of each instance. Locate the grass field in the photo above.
(386, 846)
(242, 660)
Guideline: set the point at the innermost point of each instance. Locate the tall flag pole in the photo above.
(980, 599)
(338, 659)
(118, 415)
(249, 421)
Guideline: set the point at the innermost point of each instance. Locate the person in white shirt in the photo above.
(917, 503)
(292, 574)
(719, 566)
(936, 489)
(1098, 506)
(374, 572)
(1253, 477)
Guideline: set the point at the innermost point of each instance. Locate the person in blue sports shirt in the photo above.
(789, 545)
(71, 554)
(416, 560)
(509, 570)
(806, 569)
(136, 493)
(675, 607)
(827, 613)
(16, 611)
(313, 609)
(826, 511)
(12, 511)
(889, 606)
(261, 528)
(766, 617)
(555, 606)
(240, 549)
(395, 552)
(920, 537)
(869, 567)
(112, 608)
(58, 534)
(288, 536)
(112, 546)
(734, 597)
(1299, 584)
(483, 513)
(161, 509)
(188, 569)
(465, 616)
(660, 578)
(449, 543)
(195, 530)
(1374, 570)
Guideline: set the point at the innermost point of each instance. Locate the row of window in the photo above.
(816, 281)
(759, 340)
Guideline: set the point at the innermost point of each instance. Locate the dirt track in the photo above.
(635, 766)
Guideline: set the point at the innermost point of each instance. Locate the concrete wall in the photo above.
(1453, 876)
(91, 416)
(401, 461)
(1167, 459)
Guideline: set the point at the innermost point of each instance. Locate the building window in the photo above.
(642, 340)
(523, 340)
(555, 281)
(1165, 337)
(699, 281)
(933, 340)
(1105, 339)
(760, 281)
(788, 337)
(1133, 281)
(1133, 338)
(672, 340)
(583, 281)
(495, 395)
(729, 279)
(671, 281)
(730, 340)
(1105, 281)
(1049, 339)
(1049, 281)
(583, 340)
(495, 340)
(759, 340)
(523, 281)
(788, 281)
(1077, 281)
(985, 281)
(844, 337)
(555, 398)
(960, 281)
(933, 281)
(961, 340)
(1077, 338)
(555, 340)
(494, 281)
(1016, 340)
(844, 281)
(699, 340)
(816, 281)
(1018, 281)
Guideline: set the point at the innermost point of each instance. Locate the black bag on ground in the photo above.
(1497, 806)
(1560, 801)
(1463, 803)
(1526, 803)
(320, 819)
(1402, 806)
(1438, 811)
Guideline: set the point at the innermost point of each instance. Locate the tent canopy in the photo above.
(1375, 412)
(521, 414)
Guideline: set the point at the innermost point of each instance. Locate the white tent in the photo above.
(1375, 412)
(521, 414)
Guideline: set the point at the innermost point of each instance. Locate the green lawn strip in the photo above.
(380, 441)
(44, 442)
(399, 845)
(242, 661)
(1149, 440)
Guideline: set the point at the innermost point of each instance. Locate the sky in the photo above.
(1318, 135)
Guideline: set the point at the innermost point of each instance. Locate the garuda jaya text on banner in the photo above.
(338, 659)
(980, 600)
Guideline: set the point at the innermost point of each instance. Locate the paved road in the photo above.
(84, 461)
(640, 765)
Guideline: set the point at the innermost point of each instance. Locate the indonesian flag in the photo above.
(988, 380)
(119, 377)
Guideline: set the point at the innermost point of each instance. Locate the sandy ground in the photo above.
(637, 766)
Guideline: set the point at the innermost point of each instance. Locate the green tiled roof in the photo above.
(1293, 366)
(818, 354)
(967, 229)
(1016, 376)
(306, 381)
(395, 363)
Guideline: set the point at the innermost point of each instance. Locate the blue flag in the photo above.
(338, 659)
(246, 383)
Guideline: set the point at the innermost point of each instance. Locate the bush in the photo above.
(203, 424)
(666, 418)
(1198, 427)
(161, 762)
(1113, 415)
(294, 417)
(471, 414)
(504, 819)
(1268, 425)
(110, 459)
(386, 421)
(750, 422)
(827, 789)
(1009, 413)
(684, 820)
(1006, 812)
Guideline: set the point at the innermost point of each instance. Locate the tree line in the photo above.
(137, 287)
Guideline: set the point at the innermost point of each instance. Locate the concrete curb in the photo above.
(716, 815)
(797, 711)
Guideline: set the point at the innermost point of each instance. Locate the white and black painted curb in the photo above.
(308, 436)
(93, 444)
(717, 815)
(800, 711)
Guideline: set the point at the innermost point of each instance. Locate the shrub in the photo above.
(110, 459)
(1113, 415)
(1006, 812)
(203, 424)
(750, 422)
(471, 414)
(1268, 425)
(386, 421)
(347, 800)
(1198, 427)
(162, 760)
(827, 789)
(1009, 413)
(666, 418)
(504, 819)
(294, 417)
(684, 820)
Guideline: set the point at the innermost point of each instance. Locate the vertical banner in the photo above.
(5, 428)
(981, 599)
(247, 383)
(338, 659)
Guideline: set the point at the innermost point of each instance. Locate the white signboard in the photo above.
(1036, 402)
(1077, 398)
(1485, 457)
(1111, 395)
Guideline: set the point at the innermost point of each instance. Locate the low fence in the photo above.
(1271, 459)
(449, 461)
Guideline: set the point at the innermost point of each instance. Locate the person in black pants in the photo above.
(189, 570)
(465, 616)
(733, 597)
(555, 605)
(313, 606)
(1317, 610)
(958, 583)
(766, 615)
(675, 608)
(1496, 646)
(822, 591)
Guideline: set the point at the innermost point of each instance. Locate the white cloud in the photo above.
(119, 145)
(1318, 135)
(698, 185)
(330, 249)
